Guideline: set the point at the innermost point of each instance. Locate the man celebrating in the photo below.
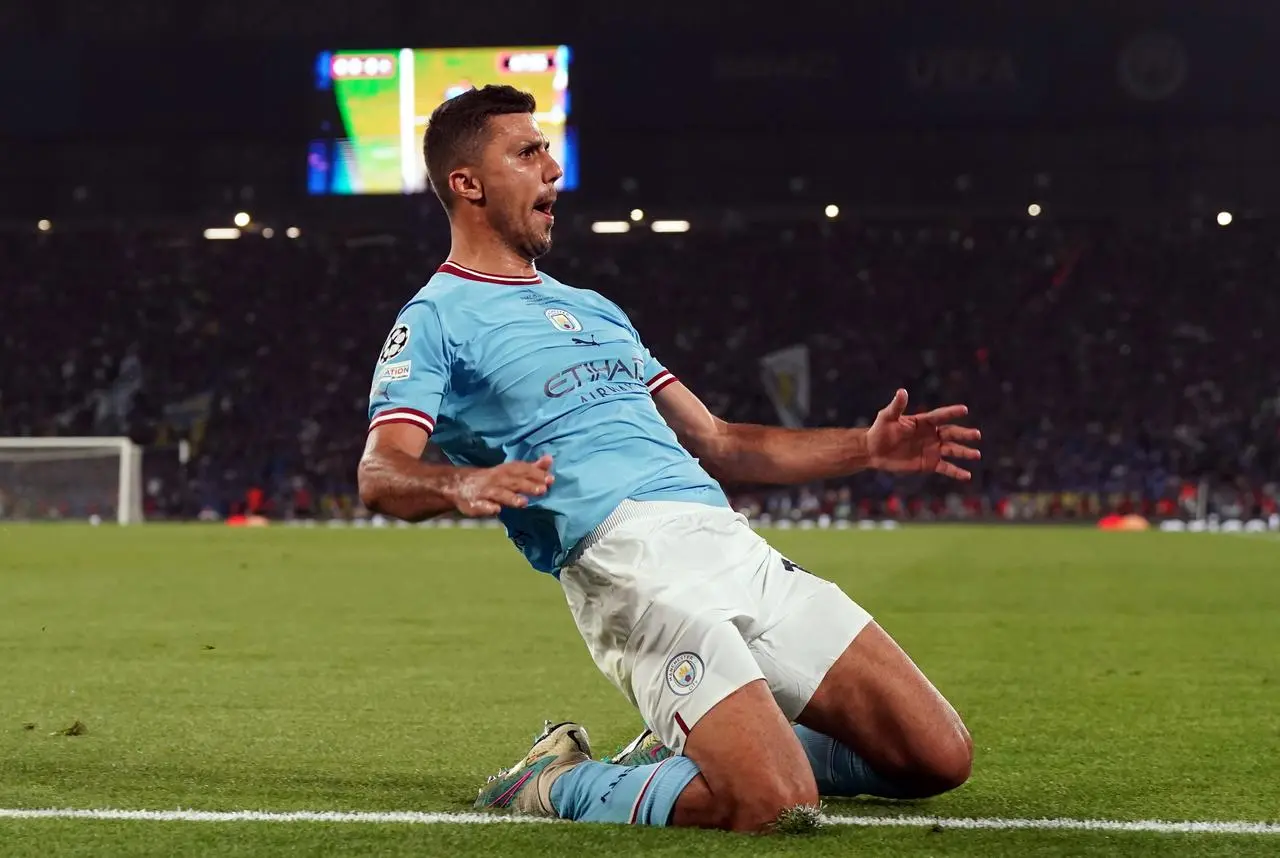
(600, 463)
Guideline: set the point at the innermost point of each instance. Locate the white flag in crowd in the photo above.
(785, 374)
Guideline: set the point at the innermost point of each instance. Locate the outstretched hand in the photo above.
(921, 443)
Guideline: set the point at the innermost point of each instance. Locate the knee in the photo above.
(758, 810)
(751, 807)
(944, 763)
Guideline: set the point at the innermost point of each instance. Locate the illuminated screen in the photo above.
(375, 104)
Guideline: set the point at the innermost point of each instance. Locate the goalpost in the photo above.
(46, 479)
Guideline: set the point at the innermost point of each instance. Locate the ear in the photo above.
(465, 185)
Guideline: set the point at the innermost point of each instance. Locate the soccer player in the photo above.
(603, 468)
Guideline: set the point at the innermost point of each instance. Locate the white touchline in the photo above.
(1155, 826)
(411, 817)
(408, 816)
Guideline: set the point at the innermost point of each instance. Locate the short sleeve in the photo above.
(656, 376)
(412, 375)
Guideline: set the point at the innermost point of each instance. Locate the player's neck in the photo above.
(489, 256)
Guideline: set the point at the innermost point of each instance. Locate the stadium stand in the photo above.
(1113, 368)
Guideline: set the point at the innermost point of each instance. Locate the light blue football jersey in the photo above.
(506, 369)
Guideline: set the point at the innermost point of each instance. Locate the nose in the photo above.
(552, 173)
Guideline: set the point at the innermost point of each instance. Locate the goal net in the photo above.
(46, 479)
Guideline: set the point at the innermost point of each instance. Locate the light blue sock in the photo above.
(641, 795)
(841, 772)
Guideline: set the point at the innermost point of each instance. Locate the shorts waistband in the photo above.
(627, 511)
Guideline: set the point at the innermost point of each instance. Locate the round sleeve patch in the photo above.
(684, 673)
(395, 344)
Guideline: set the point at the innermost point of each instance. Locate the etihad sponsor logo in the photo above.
(606, 373)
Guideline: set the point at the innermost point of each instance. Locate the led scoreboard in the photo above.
(374, 107)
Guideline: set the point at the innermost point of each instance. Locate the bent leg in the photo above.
(684, 596)
(745, 771)
(754, 770)
(871, 722)
(877, 703)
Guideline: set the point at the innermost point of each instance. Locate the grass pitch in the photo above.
(1103, 676)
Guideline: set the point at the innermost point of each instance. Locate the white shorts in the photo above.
(682, 604)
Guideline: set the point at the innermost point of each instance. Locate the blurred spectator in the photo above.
(1112, 369)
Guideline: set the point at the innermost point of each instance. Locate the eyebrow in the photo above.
(541, 143)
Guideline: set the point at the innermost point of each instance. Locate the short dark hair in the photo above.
(456, 130)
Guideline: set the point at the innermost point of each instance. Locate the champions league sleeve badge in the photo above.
(395, 344)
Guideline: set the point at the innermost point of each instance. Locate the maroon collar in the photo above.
(451, 267)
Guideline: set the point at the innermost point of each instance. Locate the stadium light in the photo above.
(44, 225)
(637, 214)
(832, 211)
(293, 232)
(610, 227)
(242, 219)
(1034, 210)
(268, 232)
(670, 226)
(221, 233)
(1224, 218)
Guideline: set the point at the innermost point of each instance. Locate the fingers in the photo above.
(515, 483)
(508, 485)
(959, 451)
(943, 414)
(896, 406)
(535, 473)
(954, 472)
(540, 469)
(493, 500)
(509, 498)
(530, 476)
(959, 433)
(516, 491)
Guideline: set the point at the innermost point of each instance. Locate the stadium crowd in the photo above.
(1112, 368)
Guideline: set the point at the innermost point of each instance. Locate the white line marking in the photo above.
(1155, 826)
(410, 817)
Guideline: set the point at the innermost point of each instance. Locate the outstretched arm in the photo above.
(748, 453)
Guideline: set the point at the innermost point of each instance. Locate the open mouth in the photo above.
(544, 208)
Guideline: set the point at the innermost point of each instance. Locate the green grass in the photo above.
(1113, 676)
